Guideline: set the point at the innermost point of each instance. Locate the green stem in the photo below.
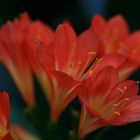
(73, 134)
(52, 131)
(102, 133)
(34, 116)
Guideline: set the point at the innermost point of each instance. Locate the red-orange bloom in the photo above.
(106, 101)
(5, 132)
(12, 42)
(114, 37)
(38, 32)
(67, 60)
(19, 54)
(35, 31)
(4, 114)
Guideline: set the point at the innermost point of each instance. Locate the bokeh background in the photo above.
(79, 13)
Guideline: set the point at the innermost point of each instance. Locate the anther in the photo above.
(116, 113)
(90, 72)
(91, 53)
(121, 90)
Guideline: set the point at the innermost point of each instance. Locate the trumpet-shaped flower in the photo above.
(35, 31)
(4, 114)
(12, 42)
(68, 59)
(114, 36)
(19, 54)
(107, 101)
(5, 130)
(38, 31)
(23, 22)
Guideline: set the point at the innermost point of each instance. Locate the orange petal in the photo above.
(62, 94)
(118, 23)
(65, 42)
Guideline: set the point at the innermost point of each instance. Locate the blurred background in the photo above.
(79, 13)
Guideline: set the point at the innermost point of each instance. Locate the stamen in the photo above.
(99, 60)
(122, 104)
(87, 63)
(116, 113)
(93, 67)
(78, 67)
(121, 90)
(74, 48)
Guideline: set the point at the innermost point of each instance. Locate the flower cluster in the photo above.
(93, 67)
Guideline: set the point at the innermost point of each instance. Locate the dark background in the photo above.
(79, 13)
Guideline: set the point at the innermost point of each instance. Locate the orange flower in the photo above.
(5, 130)
(67, 60)
(35, 31)
(114, 37)
(106, 101)
(23, 22)
(4, 114)
(38, 31)
(19, 54)
(12, 42)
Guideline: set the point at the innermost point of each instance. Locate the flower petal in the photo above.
(124, 89)
(133, 47)
(129, 114)
(62, 92)
(118, 23)
(88, 43)
(93, 92)
(65, 42)
(114, 60)
(7, 137)
(46, 58)
(4, 104)
(23, 21)
(39, 31)
(127, 69)
(99, 25)
(23, 134)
